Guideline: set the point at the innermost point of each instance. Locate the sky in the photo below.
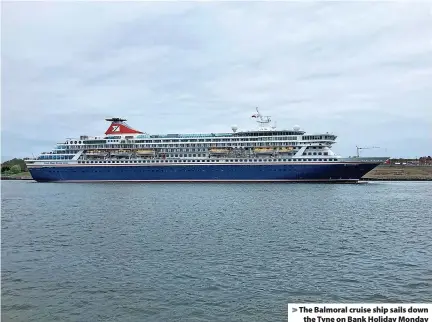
(360, 70)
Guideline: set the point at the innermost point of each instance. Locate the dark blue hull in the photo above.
(311, 172)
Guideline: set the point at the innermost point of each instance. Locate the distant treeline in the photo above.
(12, 165)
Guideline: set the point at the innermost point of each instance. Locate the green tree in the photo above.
(12, 162)
(15, 169)
(5, 169)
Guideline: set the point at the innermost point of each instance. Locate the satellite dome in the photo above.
(234, 128)
(296, 128)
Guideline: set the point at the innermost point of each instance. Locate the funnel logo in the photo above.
(116, 128)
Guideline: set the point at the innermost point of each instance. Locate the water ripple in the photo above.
(162, 252)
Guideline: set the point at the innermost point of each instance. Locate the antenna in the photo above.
(262, 120)
(365, 148)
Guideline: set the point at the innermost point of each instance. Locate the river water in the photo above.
(209, 252)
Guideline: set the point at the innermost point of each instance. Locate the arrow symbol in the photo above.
(294, 309)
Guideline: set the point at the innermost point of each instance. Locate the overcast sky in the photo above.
(360, 70)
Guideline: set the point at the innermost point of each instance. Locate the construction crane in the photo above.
(365, 148)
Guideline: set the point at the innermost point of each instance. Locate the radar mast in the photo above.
(263, 121)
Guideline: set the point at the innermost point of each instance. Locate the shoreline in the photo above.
(16, 178)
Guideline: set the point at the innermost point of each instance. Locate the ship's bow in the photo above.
(363, 165)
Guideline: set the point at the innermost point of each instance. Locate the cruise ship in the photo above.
(264, 154)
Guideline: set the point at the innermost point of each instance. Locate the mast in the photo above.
(263, 121)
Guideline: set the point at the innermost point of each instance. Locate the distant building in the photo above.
(425, 160)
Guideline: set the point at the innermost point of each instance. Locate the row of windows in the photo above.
(316, 153)
(318, 137)
(55, 157)
(86, 142)
(269, 138)
(266, 133)
(201, 135)
(232, 139)
(102, 145)
(204, 145)
(204, 161)
(192, 145)
(215, 143)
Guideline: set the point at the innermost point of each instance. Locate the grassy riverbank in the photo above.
(17, 176)
(400, 172)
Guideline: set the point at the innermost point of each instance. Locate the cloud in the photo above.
(361, 70)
